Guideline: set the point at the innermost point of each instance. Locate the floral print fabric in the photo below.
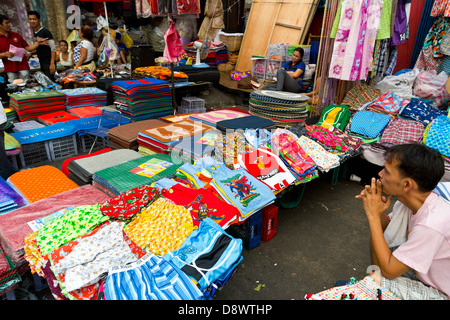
(162, 227)
(94, 255)
(353, 51)
(73, 224)
(129, 203)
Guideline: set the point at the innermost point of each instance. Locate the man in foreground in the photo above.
(415, 264)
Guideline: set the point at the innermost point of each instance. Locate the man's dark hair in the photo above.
(3, 17)
(34, 13)
(421, 163)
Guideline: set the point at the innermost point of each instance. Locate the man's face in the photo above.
(5, 26)
(391, 178)
(34, 21)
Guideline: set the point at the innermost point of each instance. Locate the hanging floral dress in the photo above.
(355, 39)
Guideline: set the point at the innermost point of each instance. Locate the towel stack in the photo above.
(83, 97)
(143, 99)
(81, 170)
(30, 105)
(126, 136)
(160, 139)
(9, 198)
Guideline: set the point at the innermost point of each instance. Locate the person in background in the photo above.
(64, 58)
(6, 168)
(83, 54)
(410, 246)
(73, 44)
(45, 54)
(290, 75)
(123, 50)
(15, 69)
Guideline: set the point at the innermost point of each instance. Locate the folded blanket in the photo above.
(14, 224)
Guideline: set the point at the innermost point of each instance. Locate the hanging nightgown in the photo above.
(353, 51)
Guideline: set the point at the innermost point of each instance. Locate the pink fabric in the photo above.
(14, 224)
(355, 39)
(427, 249)
(173, 49)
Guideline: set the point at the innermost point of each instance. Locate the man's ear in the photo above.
(409, 184)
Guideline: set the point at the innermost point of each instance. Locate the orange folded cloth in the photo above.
(41, 182)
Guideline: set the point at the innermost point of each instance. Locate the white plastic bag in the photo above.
(430, 85)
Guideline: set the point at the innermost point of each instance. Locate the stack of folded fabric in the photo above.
(190, 149)
(12, 146)
(143, 99)
(237, 187)
(10, 114)
(39, 183)
(279, 106)
(195, 74)
(162, 73)
(368, 125)
(159, 139)
(285, 144)
(249, 122)
(9, 198)
(83, 97)
(85, 112)
(9, 276)
(81, 170)
(18, 224)
(211, 118)
(218, 53)
(125, 136)
(30, 105)
(54, 117)
(388, 103)
(26, 125)
(134, 173)
(64, 167)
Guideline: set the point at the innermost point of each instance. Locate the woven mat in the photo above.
(119, 179)
(88, 166)
(41, 182)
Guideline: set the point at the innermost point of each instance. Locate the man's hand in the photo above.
(7, 54)
(375, 204)
(52, 68)
(43, 41)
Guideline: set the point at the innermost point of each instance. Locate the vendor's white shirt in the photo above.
(2, 114)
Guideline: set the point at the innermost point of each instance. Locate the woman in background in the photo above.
(64, 58)
(290, 75)
(83, 54)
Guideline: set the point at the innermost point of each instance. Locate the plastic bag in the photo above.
(127, 41)
(430, 85)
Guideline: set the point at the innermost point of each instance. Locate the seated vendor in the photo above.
(411, 246)
(123, 50)
(290, 75)
(64, 57)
